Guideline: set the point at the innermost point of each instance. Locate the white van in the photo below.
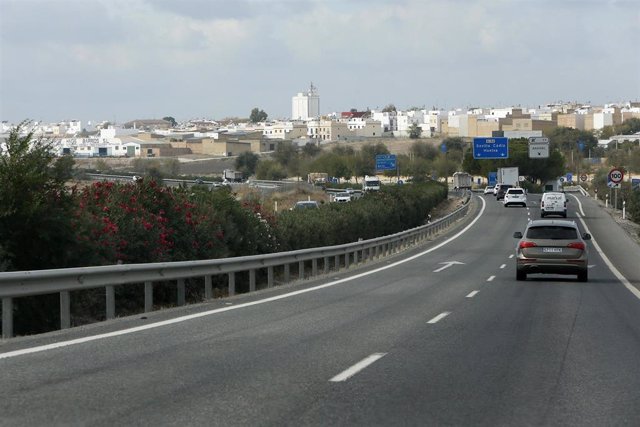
(553, 203)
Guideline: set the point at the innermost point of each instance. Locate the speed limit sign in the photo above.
(616, 176)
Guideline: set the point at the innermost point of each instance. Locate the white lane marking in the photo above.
(447, 265)
(61, 344)
(511, 256)
(579, 204)
(472, 294)
(348, 373)
(503, 266)
(609, 264)
(490, 279)
(439, 317)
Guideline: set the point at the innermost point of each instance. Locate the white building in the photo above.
(362, 127)
(388, 119)
(305, 106)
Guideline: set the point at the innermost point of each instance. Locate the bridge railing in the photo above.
(320, 260)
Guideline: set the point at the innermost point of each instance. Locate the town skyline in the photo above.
(120, 61)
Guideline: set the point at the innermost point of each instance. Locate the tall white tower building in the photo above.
(305, 106)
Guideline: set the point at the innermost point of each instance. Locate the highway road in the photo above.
(443, 335)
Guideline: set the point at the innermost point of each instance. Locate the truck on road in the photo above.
(231, 175)
(370, 183)
(509, 176)
(461, 180)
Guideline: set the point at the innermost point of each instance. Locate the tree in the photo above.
(170, 120)
(257, 115)
(246, 163)
(389, 108)
(311, 150)
(35, 207)
(415, 131)
(423, 150)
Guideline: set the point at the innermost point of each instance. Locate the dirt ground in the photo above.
(213, 166)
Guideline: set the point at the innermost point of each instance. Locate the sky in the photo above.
(95, 60)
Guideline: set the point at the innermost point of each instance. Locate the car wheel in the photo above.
(564, 215)
(541, 214)
(521, 275)
(583, 276)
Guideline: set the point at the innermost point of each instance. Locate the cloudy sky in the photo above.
(133, 59)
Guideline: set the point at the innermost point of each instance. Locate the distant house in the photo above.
(148, 124)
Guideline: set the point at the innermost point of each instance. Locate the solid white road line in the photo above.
(579, 204)
(608, 262)
(490, 279)
(348, 373)
(239, 306)
(472, 294)
(439, 317)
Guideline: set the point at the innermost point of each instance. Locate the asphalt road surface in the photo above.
(442, 336)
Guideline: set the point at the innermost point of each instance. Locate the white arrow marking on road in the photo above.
(447, 265)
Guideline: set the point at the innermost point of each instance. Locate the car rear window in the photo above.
(552, 232)
(513, 191)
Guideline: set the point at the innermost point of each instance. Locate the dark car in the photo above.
(552, 247)
(502, 190)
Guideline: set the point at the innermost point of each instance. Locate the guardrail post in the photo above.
(346, 260)
(181, 292)
(148, 297)
(336, 264)
(232, 284)
(287, 273)
(270, 277)
(314, 267)
(208, 288)
(7, 317)
(325, 265)
(355, 257)
(300, 269)
(252, 280)
(111, 301)
(65, 310)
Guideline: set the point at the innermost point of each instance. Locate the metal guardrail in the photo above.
(63, 281)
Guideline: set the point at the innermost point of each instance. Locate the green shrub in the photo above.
(393, 209)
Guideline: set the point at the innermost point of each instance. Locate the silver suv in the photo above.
(552, 247)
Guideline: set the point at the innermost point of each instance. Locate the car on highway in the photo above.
(553, 203)
(343, 197)
(306, 204)
(488, 189)
(515, 196)
(550, 246)
(502, 189)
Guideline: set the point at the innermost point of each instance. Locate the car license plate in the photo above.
(552, 250)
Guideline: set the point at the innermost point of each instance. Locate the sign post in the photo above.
(614, 179)
(538, 148)
(491, 148)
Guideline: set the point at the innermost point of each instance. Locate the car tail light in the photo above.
(576, 245)
(542, 204)
(526, 244)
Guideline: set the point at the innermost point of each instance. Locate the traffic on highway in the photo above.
(443, 334)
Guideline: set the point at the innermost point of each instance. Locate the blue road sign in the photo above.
(385, 162)
(443, 148)
(491, 148)
(493, 178)
(635, 183)
(569, 177)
